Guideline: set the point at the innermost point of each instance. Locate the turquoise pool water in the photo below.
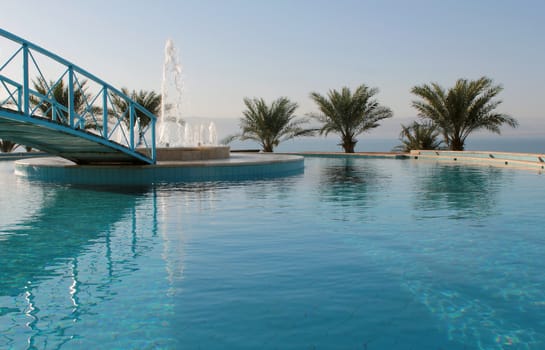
(354, 254)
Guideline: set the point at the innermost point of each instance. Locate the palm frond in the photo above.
(270, 124)
(466, 107)
(423, 136)
(150, 100)
(7, 146)
(349, 114)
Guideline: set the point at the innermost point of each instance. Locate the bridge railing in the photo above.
(11, 93)
(75, 98)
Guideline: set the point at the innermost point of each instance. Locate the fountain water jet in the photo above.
(173, 130)
(177, 138)
(170, 124)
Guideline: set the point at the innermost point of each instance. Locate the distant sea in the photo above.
(330, 144)
(373, 144)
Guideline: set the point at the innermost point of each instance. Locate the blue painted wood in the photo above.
(24, 109)
(78, 146)
(26, 90)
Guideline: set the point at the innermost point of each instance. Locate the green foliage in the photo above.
(7, 146)
(59, 93)
(467, 107)
(418, 136)
(270, 125)
(349, 114)
(150, 100)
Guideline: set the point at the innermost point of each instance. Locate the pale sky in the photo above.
(231, 49)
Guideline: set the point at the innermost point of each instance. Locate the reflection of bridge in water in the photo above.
(112, 277)
(55, 277)
(76, 115)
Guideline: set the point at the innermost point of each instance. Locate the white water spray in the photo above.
(173, 131)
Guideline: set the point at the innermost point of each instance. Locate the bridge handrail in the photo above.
(73, 69)
(11, 82)
(62, 61)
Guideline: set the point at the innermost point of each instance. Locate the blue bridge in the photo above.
(50, 104)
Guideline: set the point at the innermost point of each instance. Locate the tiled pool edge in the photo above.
(238, 168)
(383, 155)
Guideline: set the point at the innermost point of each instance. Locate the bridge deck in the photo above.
(60, 140)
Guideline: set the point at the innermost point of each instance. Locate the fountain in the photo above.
(177, 138)
(170, 125)
(185, 152)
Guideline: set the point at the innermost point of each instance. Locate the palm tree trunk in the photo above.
(267, 147)
(349, 144)
(456, 144)
(348, 148)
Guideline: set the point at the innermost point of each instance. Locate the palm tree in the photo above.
(468, 106)
(150, 100)
(59, 92)
(7, 146)
(270, 125)
(349, 114)
(418, 136)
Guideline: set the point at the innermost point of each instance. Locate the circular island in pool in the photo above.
(174, 165)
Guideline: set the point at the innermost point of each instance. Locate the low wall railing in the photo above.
(484, 157)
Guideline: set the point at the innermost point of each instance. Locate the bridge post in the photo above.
(131, 123)
(19, 99)
(153, 155)
(105, 112)
(71, 111)
(26, 92)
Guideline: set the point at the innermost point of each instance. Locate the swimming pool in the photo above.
(353, 254)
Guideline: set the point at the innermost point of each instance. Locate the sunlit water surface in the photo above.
(354, 254)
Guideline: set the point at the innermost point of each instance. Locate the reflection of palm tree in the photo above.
(349, 114)
(466, 190)
(351, 181)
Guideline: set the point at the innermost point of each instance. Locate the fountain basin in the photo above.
(238, 167)
(169, 154)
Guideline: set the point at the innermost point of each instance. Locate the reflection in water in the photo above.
(280, 189)
(467, 259)
(472, 320)
(465, 190)
(469, 199)
(68, 221)
(173, 242)
(18, 201)
(61, 263)
(204, 266)
(352, 182)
